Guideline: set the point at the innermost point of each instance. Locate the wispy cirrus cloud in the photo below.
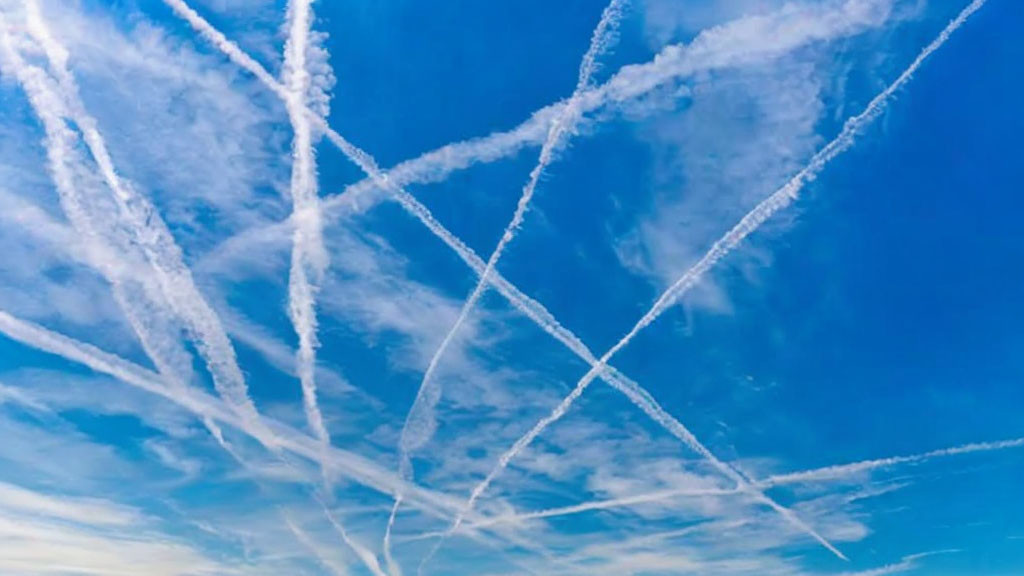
(107, 461)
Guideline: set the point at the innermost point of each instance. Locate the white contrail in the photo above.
(419, 424)
(309, 258)
(837, 472)
(144, 307)
(742, 42)
(753, 220)
(364, 554)
(846, 470)
(669, 65)
(151, 234)
(730, 43)
(349, 464)
(307, 541)
(603, 505)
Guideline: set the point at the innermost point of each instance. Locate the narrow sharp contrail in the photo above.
(845, 470)
(151, 234)
(782, 198)
(309, 258)
(669, 65)
(420, 423)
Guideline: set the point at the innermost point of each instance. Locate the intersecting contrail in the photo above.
(309, 258)
(780, 199)
(145, 306)
(420, 422)
(745, 41)
(730, 43)
(146, 228)
(203, 405)
(825, 474)
(669, 65)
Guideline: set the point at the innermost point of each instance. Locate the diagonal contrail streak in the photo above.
(780, 199)
(421, 420)
(98, 244)
(663, 69)
(531, 308)
(743, 42)
(148, 230)
(203, 405)
(309, 258)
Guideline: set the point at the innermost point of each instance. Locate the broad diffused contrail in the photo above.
(203, 405)
(151, 234)
(309, 258)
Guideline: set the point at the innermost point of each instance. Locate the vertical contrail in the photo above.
(309, 258)
(780, 199)
(149, 231)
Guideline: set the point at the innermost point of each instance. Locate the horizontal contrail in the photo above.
(782, 198)
(846, 470)
(828, 473)
(307, 541)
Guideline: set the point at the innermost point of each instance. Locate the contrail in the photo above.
(837, 472)
(787, 30)
(151, 234)
(203, 405)
(730, 43)
(365, 556)
(420, 423)
(330, 564)
(845, 470)
(751, 222)
(309, 258)
(144, 307)
(667, 66)
(745, 41)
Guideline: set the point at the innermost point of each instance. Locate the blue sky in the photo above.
(650, 287)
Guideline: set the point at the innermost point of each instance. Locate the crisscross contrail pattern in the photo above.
(165, 298)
